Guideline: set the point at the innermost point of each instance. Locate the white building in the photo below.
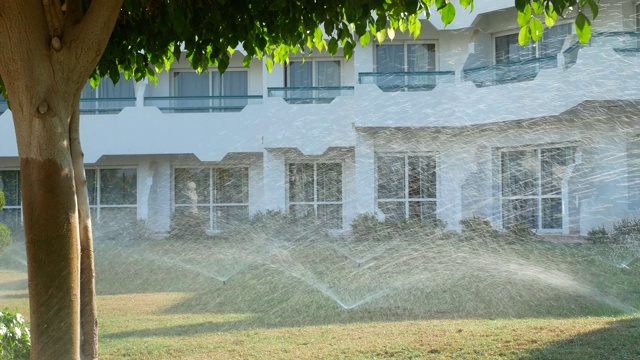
(460, 122)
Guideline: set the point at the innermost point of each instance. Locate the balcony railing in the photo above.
(407, 81)
(199, 104)
(622, 42)
(510, 72)
(105, 105)
(310, 95)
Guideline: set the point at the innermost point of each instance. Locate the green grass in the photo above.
(440, 296)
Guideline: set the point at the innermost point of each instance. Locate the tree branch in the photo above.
(73, 13)
(53, 14)
(88, 39)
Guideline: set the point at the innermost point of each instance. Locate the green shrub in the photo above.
(15, 340)
(275, 227)
(124, 230)
(625, 230)
(598, 235)
(478, 226)
(366, 226)
(2, 200)
(521, 231)
(186, 225)
(5, 238)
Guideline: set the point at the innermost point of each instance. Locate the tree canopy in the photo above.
(151, 34)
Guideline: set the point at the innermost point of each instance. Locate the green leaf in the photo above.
(317, 38)
(583, 28)
(448, 13)
(392, 33)
(364, 39)
(333, 46)
(381, 35)
(524, 16)
(466, 3)
(538, 6)
(415, 26)
(524, 37)
(269, 63)
(536, 29)
(348, 50)
(550, 15)
(594, 8)
(247, 61)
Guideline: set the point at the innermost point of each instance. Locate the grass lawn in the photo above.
(433, 297)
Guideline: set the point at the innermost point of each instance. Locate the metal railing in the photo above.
(622, 42)
(310, 95)
(199, 104)
(407, 81)
(510, 72)
(105, 105)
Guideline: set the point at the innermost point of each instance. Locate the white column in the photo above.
(274, 181)
(159, 195)
(139, 88)
(365, 174)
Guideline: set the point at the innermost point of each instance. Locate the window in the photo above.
(533, 186)
(315, 189)
(407, 186)
(405, 57)
(218, 196)
(210, 91)
(11, 214)
(414, 58)
(113, 194)
(314, 73)
(120, 95)
(507, 48)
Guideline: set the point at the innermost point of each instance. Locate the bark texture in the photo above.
(48, 60)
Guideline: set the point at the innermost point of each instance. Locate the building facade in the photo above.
(461, 121)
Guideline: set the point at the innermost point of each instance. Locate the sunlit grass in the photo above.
(436, 297)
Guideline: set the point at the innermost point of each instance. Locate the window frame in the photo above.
(314, 70)
(516, 31)
(98, 179)
(315, 202)
(406, 200)
(405, 66)
(564, 195)
(15, 207)
(211, 205)
(210, 78)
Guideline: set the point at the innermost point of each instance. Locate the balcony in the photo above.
(510, 72)
(201, 104)
(105, 105)
(407, 81)
(4, 106)
(310, 95)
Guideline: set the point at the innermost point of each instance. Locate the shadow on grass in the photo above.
(620, 341)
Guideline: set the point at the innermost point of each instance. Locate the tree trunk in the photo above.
(51, 235)
(88, 308)
(48, 59)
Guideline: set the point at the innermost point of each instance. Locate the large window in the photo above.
(407, 186)
(10, 186)
(219, 197)
(534, 185)
(402, 67)
(113, 194)
(315, 190)
(507, 48)
(210, 91)
(314, 73)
